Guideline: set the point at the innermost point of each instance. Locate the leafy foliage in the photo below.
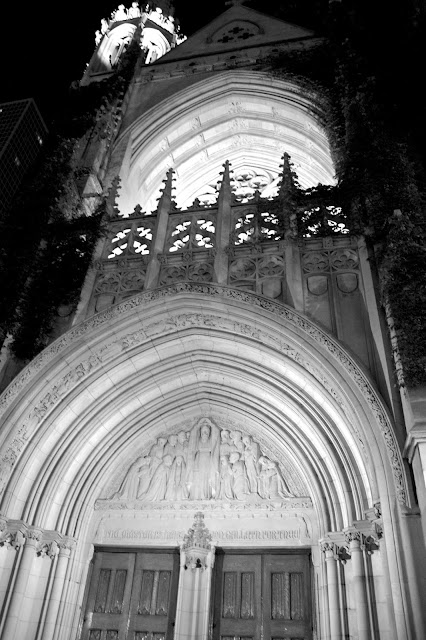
(46, 237)
(362, 78)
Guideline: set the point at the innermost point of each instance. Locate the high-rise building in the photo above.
(22, 134)
(212, 442)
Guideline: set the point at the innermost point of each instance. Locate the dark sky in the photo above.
(46, 45)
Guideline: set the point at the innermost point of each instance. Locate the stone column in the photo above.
(196, 564)
(32, 539)
(65, 547)
(330, 550)
(355, 540)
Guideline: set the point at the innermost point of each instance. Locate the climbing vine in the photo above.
(362, 77)
(48, 236)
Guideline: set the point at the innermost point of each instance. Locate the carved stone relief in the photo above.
(204, 463)
(16, 439)
(330, 260)
(194, 271)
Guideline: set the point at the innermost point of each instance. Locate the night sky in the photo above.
(46, 46)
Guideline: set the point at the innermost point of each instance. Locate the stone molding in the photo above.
(362, 534)
(16, 533)
(296, 320)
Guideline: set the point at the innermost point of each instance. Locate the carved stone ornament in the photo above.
(197, 549)
(205, 463)
(16, 440)
(16, 533)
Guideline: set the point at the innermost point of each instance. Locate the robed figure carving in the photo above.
(202, 471)
(206, 463)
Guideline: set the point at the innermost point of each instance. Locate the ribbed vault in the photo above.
(249, 118)
(106, 390)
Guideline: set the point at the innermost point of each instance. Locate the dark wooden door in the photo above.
(262, 596)
(154, 595)
(132, 596)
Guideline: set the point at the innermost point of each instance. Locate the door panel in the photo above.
(262, 595)
(238, 592)
(153, 603)
(132, 596)
(287, 605)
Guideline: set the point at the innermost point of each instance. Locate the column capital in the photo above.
(9, 539)
(48, 549)
(353, 538)
(66, 545)
(16, 533)
(33, 537)
(329, 548)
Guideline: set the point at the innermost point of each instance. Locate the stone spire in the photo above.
(225, 189)
(166, 199)
(288, 197)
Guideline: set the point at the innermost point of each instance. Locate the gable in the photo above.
(238, 27)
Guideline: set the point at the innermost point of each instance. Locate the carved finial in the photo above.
(198, 535)
(225, 186)
(166, 197)
(287, 195)
(197, 549)
(287, 177)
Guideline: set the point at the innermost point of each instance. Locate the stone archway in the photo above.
(246, 117)
(101, 395)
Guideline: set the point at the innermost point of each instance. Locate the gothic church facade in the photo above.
(215, 446)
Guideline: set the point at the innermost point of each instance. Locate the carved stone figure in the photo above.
(176, 484)
(159, 481)
(225, 444)
(263, 479)
(206, 463)
(170, 447)
(203, 461)
(144, 478)
(156, 453)
(277, 485)
(237, 441)
(226, 479)
(120, 13)
(251, 457)
(182, 445)
(134, 11)
(240, 483)
(271, 482)
(130, 486)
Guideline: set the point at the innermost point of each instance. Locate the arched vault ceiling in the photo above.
(248, 118)
(105, 390)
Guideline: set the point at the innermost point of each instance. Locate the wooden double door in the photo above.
(132, 595)
(262, 596)
(256, 595)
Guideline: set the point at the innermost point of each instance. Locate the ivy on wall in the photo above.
(362, 78)
(46, 238)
